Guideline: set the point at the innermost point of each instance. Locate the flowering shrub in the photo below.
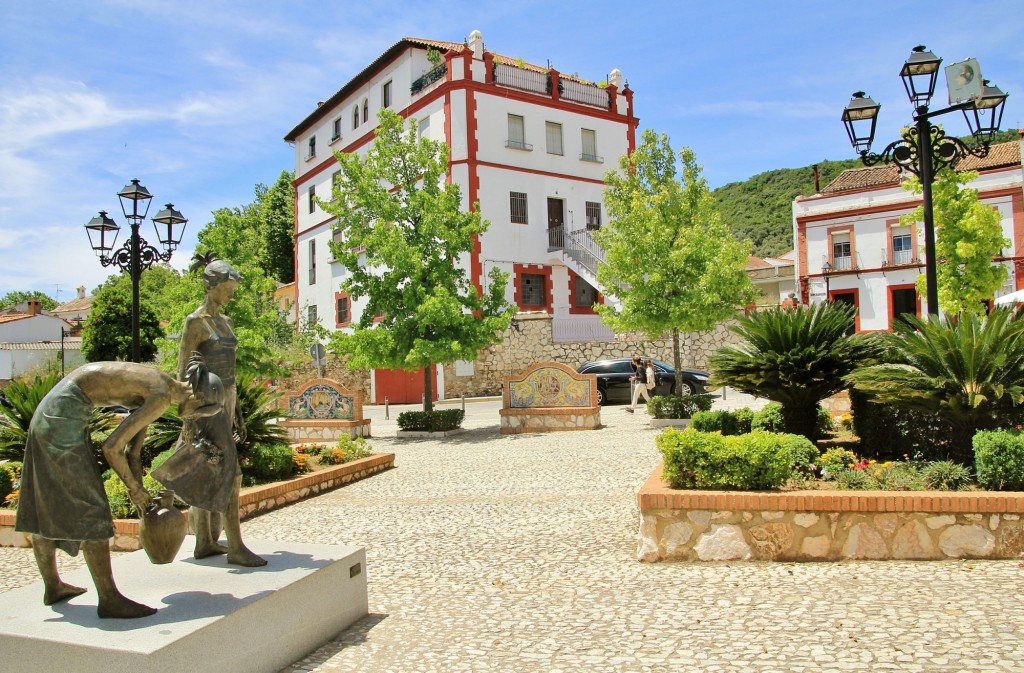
(835, 460)
(345, 451)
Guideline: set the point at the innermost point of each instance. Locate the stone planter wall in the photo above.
(826, 525)
(252, 501)
(324, 432)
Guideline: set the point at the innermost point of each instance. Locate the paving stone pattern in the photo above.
(516, 553)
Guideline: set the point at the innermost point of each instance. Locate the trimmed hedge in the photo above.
(999, 460)
(673, 406)
(702, 460)
(431, 421)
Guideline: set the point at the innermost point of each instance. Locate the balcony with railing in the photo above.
(506, 74)
(898, 257)
(419, 85)
(588, 94)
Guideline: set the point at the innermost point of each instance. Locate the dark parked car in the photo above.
(613, 379)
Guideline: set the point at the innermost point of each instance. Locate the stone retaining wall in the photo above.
(826, 525)
(531, 341)
(252, 501)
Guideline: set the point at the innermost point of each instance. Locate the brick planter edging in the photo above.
(252, 501)
(826, 525)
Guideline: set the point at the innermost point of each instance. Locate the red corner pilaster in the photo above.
(488, 67)
(554, 84)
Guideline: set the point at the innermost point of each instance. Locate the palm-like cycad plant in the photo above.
(966, 370)
(17, 404)
(796, 357)
(257, 404)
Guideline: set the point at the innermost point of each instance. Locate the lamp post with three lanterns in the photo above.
(924, 148)
(136, 254)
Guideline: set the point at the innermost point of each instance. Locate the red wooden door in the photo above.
(402, 387)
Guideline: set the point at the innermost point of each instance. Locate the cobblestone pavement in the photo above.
(517, 554)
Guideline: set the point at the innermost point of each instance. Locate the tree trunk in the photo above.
(677, 362)
(428, 390)
(801, 419)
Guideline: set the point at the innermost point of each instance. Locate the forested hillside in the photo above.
(761, 208)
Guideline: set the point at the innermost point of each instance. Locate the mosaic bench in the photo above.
(549, 397)
(323, 412)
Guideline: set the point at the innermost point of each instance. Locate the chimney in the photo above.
(81, 292)
(35, 307)
(476, 43)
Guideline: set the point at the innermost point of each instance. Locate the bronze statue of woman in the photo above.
(210, 333)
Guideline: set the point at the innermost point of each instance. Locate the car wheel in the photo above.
(602, 396)
(688, 388)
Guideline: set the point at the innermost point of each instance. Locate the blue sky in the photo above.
(194, 97)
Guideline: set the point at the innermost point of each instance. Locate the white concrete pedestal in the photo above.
(211, 616)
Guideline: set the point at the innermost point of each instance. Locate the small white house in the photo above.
(29, 340)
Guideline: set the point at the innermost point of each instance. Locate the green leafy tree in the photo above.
(966, 370)
(15, 297)
(796, 357)
(968, 235)
(276, 212)
(261, 328)
(672, 263)
(107, 333)
(403, 231)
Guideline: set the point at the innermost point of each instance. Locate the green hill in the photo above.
(761, 208)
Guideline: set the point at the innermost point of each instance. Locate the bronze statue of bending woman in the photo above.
(210, 333)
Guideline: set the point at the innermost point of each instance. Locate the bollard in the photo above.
(723, 392)
(386, 416)
(463, 403)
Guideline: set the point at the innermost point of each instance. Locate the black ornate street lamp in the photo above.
(826, 271)
(924, 148)
(136, 254)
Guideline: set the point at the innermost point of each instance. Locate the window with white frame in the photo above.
(841, 251)
(589, 153)
(355, 117)
(902, 245)
(311, 317)
(311, 149)
(366, 110)
(518, 213)
(385, 94)
(336, 130)
(593, 215)
(312, 198)
(425, 127)
(553, 132)
(312, 261)
(517, 133)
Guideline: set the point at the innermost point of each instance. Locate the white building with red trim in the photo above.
(873, 261)
(529, 144)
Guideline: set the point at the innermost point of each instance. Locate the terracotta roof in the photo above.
(75, 305)
(11, 317)
(391, 52)
(757, 263)
(862, 178)
(999, 156)
(365, 74)
(70, 343)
